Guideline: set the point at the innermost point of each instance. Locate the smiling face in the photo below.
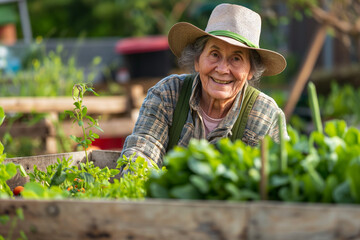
(223, 70)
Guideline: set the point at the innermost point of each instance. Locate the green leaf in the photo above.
(59, 177)
(317, 180)
(353, 173)
(70, 113)
(20, 213)
(158, 191)
(23, 235)
(342, 193)
(352, 136)
(84, 111)
(4, 219)
(77, 105)
(335, 128)
(187, 191)
(201, 168)
(279, 180)
(5, 188)
(92, 90)
(22, 170)
(314, 106)
(74, 138)
(200, 183)
(91, 119)
(114, 172)
(1, 151)
(87, 177)
(234, 191)
(241, 194)
(330, 184)
(2, 115)
(98, 128)
(11, 169)
(33, 190)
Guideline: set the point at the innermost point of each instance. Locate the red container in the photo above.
(146, 56)
(113, 143)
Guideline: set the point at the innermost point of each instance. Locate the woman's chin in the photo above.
(219, 95)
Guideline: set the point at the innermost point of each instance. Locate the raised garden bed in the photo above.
(172, 219)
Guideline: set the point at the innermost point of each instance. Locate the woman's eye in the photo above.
(236, 58)
(214, 54)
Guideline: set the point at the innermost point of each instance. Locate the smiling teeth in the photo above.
(222, 82)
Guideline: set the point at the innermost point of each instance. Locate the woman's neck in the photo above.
(215, 108)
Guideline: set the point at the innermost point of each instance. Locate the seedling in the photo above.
(79, 115)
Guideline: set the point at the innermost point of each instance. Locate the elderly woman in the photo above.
(217, 100)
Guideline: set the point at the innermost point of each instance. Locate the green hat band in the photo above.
(233, 36)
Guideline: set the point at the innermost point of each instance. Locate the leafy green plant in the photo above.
(341, 103)
(79, 115)
(49, 75)
(64, 180)
(8, 170)
(322, 167)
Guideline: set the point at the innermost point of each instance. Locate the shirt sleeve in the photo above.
(149, 138)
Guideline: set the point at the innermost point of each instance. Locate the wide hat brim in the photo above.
(183, 33)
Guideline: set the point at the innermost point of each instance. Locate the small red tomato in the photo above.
(18, 190)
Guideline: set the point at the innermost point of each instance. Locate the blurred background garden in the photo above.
(120, 47)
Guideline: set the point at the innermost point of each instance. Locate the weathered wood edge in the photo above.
(175, 219)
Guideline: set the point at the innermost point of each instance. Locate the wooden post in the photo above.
(305, 71)
(264, 160)
(50, 141)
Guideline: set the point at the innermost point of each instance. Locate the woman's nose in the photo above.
(222, 67)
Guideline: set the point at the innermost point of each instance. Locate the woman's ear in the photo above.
(250, 75)
(196, 64)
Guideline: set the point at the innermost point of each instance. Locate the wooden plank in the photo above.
(101, 105)
(298, 221)
(113, 127)
(175, 219)
(17, 129)
(129, 220)
(283, 221)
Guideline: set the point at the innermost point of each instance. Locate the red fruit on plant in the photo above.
(18, 190)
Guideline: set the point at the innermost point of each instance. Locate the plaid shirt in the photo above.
(150, 137)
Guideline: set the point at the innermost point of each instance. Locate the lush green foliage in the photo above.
(342, 103)
(64, 180)
(47, 74)
(321, 168)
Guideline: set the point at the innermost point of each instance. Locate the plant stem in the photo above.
(85, 137)
(314, 106)
(283, 152)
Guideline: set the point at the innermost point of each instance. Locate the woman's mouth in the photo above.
(221, 81)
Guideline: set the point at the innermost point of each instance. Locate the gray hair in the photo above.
(193, 51)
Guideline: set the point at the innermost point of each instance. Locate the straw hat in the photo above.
(234, 24)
